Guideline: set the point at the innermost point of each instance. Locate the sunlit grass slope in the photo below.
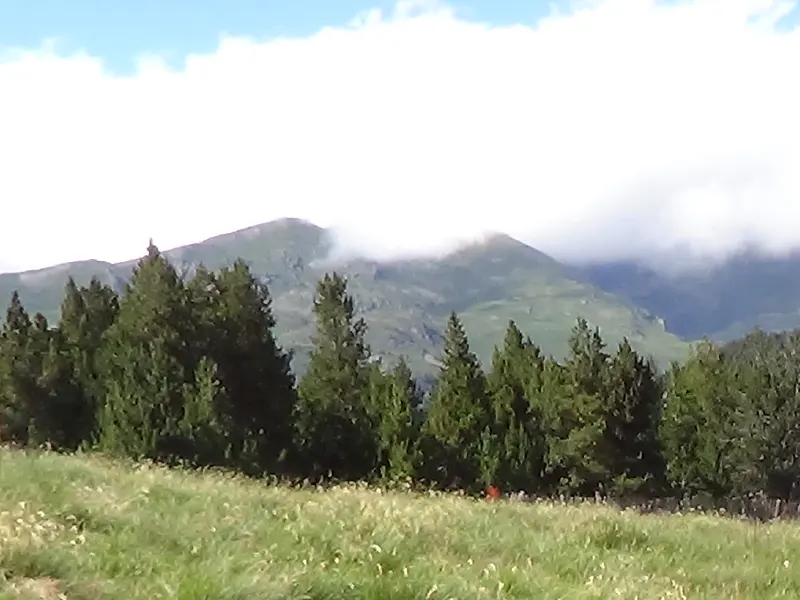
(86, 528)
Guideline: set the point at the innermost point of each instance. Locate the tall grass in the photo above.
(81, 528)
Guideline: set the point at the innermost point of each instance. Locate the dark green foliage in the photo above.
(86, 315)
(17, 373)
(63, 415)
(576, 417)
(458, 418)
(395, 404)
(332, 419)
(702, 426)
(515, 441)
(632, 413)
(206, 426)
(38, 403)
(149, 364)
(767, 376)
(234, 328)
(193, 371)
(190, 371)
(144, 401)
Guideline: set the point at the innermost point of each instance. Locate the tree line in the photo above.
(188, 370)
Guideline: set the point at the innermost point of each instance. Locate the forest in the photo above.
(187, 371)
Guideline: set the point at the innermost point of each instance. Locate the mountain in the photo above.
(405, 302)
(722, 302)
(43, 289)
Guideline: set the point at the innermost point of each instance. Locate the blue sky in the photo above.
(120, 30)
(408, 133)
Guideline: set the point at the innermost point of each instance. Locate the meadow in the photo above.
(84, 527)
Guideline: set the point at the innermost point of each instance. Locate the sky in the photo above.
(592, 129)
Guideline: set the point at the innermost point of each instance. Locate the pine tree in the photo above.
(766, 372)
(395, 402)
(333, 424)
(18, 323)
(236, 330)
(633, 411)
(18, 373)
(458, 415)
(144, 402)
(576, 419)
(86, 315)
(702, 427)
(516, 424)
(59, 417)
(150, 364)
(205, 426)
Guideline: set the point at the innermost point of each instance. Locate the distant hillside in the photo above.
(404, 302)
(722, 303)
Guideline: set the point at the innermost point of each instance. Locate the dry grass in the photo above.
(84, 527)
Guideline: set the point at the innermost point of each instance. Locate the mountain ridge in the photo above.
(405, 302)
(722, 302)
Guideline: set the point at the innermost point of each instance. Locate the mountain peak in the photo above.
(499, 239)
(501, 247)
(282, 226)
(290, 223)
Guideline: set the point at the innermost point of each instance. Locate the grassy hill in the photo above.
(405, 302)
(85, 528)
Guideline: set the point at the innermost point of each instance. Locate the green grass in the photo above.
(88, 528)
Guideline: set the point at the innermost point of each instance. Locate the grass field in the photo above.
(85, 528)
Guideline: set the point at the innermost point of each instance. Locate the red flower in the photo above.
(492, 493)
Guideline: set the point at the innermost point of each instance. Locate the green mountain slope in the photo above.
(723, 302)
(405, 302)
(43, 289)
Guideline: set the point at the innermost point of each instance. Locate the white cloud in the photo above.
(622, 128)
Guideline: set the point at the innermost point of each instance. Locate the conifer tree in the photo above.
(576, 442)
(458, 416)
(766, 372)
(702, 428)
(17, 373)
(205, 425)
(235, 329)
(142, 414)
(150, 369)
(516, 424)
(333, 424)
(633, 410)
(395, 402)
(86, 315)
(36, 403)
(547, 391)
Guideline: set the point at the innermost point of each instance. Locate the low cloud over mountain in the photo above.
(611, 130)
